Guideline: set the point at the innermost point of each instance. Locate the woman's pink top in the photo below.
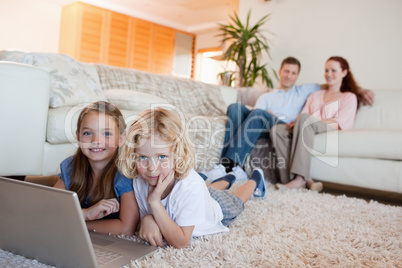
(342, 110)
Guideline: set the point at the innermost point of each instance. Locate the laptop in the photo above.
(47, 224)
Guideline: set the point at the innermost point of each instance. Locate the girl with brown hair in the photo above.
(106, 196)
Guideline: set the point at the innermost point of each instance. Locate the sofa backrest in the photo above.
(229, 94)
(386, 112)
(91, 70)
(190, 96)
(249, 95)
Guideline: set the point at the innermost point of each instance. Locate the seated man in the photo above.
(244, 126)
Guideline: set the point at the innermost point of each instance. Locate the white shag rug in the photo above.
(288, 228)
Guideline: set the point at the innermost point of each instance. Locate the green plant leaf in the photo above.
(247, 46)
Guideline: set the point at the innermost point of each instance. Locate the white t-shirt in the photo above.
(188, 204)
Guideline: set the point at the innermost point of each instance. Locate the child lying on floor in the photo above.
(106, 196)
(174, 201)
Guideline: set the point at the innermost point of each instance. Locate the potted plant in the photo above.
(247, 45)
(226, 78)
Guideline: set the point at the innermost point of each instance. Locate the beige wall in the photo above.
(365, 32)
(30, 25)
(207, 39)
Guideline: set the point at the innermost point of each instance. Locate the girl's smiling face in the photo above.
(154, 157)
(98, 137)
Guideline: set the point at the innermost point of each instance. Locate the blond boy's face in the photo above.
(154, 158)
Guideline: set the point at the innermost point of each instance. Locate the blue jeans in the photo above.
(243, 129)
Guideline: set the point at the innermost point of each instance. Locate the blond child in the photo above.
(174, 201)
(106, 196)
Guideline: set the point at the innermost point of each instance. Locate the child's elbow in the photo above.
(180, 244)
(182, 240)
(129, 230)
(129, 227)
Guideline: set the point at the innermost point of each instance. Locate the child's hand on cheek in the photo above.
(155, 192)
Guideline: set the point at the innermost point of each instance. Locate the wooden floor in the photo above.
(388, 198)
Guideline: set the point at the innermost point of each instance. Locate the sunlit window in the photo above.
(210, 65)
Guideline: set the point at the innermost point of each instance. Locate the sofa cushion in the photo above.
(133, 100)
(360, 143)
(70, 82)
(384, 113)
(62, 123)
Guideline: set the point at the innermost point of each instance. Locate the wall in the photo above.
(365, 32)
(207, 39)
(29, 25)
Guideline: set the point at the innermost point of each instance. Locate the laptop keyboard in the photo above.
(104, 256)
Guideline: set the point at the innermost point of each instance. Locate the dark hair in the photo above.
(291, 60)
(349, 83)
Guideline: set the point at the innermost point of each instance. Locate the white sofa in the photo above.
(367, 156)
(36, 138)
(39, 137)
(370, 154)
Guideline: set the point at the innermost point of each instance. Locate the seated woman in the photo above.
(326, 110)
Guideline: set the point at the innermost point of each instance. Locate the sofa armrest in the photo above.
(24, 106)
